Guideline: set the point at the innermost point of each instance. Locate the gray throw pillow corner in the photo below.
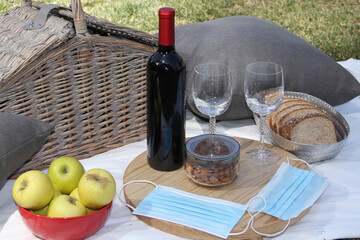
(20, 138)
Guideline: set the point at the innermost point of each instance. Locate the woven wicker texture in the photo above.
(91, 88)
(19, 46)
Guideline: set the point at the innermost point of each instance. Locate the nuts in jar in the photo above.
(212, 160)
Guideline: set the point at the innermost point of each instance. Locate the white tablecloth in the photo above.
(335, 215)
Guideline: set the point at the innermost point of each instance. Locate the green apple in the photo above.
(89, 210)
(75, 194)
(96, 188)
(65, 173)
(66, 206)
(56, 193)
(42, 212)
(33, 190)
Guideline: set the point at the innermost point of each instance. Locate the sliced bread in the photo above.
(315, 129)
(301, 121)
(294, 112)
(286, 102)
(286, 112)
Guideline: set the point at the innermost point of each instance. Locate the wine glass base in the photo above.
(265, 157)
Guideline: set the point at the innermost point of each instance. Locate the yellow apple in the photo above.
(56, 193)
(75, 194)
(42, 212)
(33, 190)
(89, 210)
(65, 173)
(96, 188)
(65, 206)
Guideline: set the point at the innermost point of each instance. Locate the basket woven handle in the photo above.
(78, 16)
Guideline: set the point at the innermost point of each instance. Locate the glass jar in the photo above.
(212, 160)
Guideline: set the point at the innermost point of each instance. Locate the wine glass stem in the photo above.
(212, 126)
(262, 137)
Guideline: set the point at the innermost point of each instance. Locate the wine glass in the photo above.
(264, 90)
(212, 90)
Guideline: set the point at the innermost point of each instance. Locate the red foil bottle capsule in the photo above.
(166, 27)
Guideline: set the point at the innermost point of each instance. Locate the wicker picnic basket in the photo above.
(83, 75)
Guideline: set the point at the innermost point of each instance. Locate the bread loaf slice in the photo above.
(286, 102)
(315, 129)
(285, 112)
(294, 112)
(301, 121)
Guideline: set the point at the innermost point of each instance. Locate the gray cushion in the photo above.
(238, 41)
(20, 138)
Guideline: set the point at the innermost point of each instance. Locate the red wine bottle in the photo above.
(166, 77)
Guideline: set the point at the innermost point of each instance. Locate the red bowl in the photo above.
(65, 228)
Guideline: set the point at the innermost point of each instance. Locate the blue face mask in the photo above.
(211, 215)
(288, 193)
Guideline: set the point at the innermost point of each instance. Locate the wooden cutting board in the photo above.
(251, 180)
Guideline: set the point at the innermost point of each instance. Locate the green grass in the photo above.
(331, 25)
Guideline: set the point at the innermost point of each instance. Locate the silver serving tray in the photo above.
(312, 153)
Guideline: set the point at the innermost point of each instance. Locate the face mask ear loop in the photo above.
(134, 181)
(311, 168)
(297, 159)
(252, 216)
(270, 235)
(251, 221)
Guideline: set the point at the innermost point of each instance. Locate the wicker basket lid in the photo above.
(19, 46)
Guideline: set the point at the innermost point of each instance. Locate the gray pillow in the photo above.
(240, 40)
(20, 138)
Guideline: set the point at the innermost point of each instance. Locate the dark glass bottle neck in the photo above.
(162, 48)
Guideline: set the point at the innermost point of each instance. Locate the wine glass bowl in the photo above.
(212, 90)
(264, 90)
(265, 102)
